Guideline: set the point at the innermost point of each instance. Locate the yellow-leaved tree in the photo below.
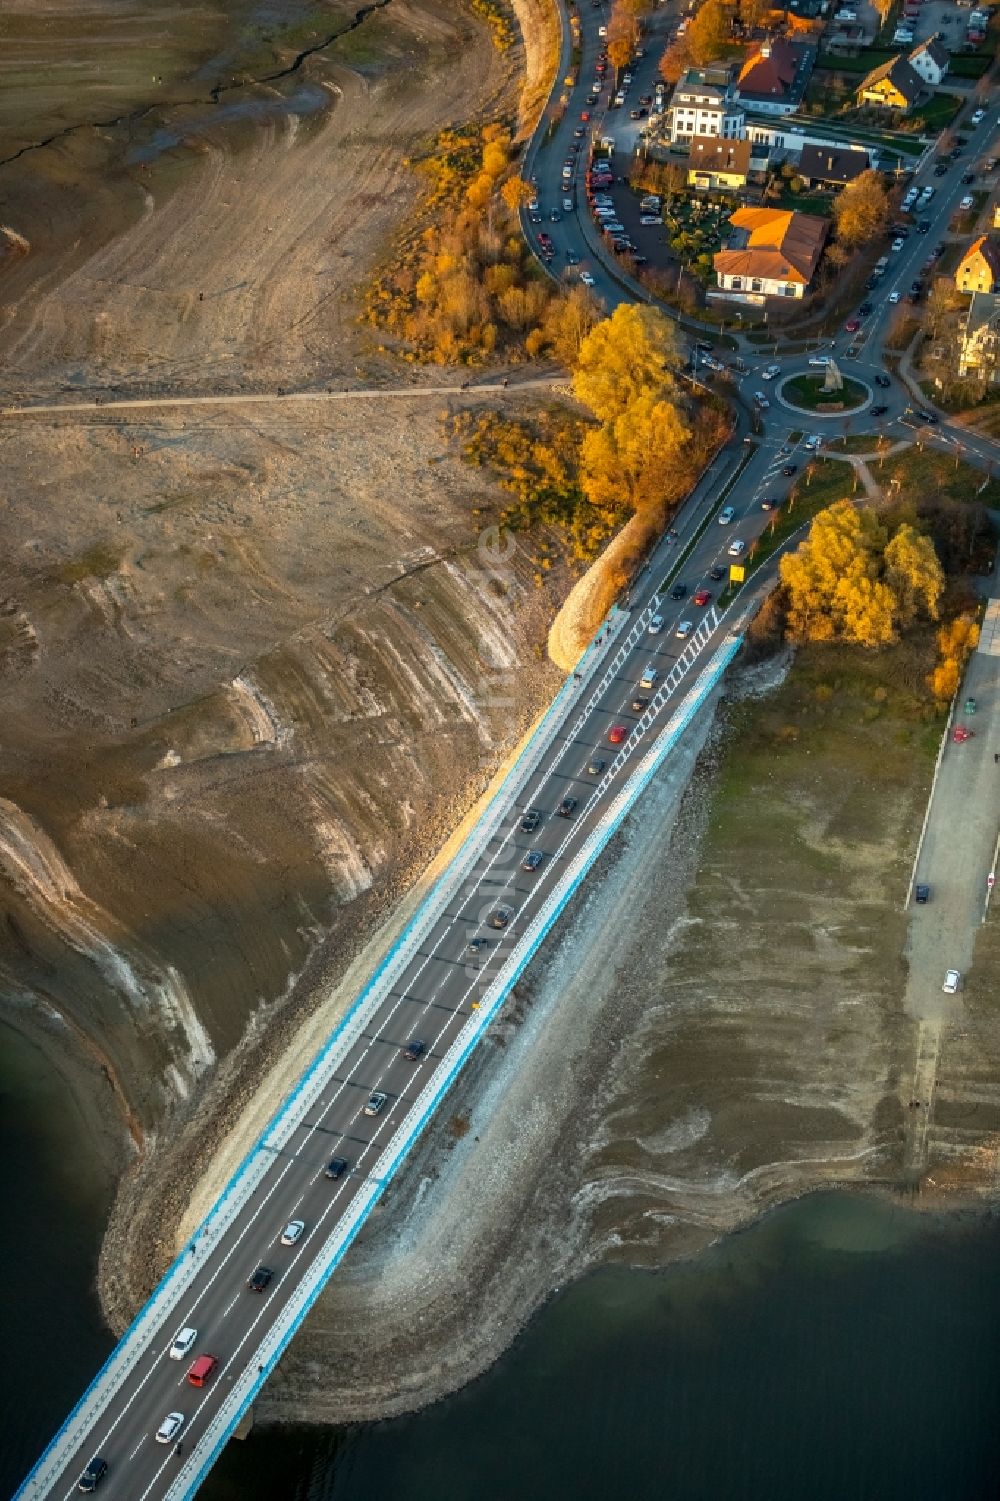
(637, 458)
(709, 34)
(633, 353)
(848, 582)
(861, 210)
(955, 641)
(914, 575)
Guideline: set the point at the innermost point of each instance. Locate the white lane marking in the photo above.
(559, 749)
(136, 1449)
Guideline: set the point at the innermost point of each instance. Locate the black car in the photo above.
(923, 226)
(640, 702)
(864, 309)
(532, 860)
(968, 177)
(530, 821)
(940, 169)
(258, 1280)
(878, 411)
(925, 416)
(566, 807)
(640, 260)
(788, 470)
(414, 1049)
(770, 505)
(335, 1168)
(93, 1474)
(501, 918)
(678, 591)
(922, 894)
(871, 283)
(595, 767)
(883, 381)
(716, 572)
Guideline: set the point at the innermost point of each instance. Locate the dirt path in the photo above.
(141, 403)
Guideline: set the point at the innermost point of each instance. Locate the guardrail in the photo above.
(149, 1321)
(146, 1326)
(203, 1457)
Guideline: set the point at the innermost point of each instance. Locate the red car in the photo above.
(585, 115)
(701, 597)
(961, 733)
(852, 325)
(617, 734)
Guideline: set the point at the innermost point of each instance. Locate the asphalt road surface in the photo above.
(430, 1004)
(436, 994)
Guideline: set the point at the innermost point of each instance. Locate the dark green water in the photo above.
(842, 1350)
(56, 1196)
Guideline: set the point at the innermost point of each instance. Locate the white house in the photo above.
(929, 61)
(704, 104)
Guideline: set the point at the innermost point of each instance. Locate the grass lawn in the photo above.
(807, 391)
(938, 112)
(821, 483)
(855, 443)
(928, 472)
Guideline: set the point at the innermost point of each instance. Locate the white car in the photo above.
(897, 245)
(819, 359)
(726, 515)
(736, 548)
(977, 119)
(655, 625)
(761, 399)
(587, 279)
(170, 1428)
(684, 629)
(966, 203)
(183, 1344)
(649, 677)
(770, 372)
(292, 1232)
(650, 219)
(813, 442)
(952, 978)
(567, 205)
(894, 297)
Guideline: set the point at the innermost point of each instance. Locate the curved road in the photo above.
(433, 995)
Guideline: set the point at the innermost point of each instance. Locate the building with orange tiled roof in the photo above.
(773, 79)
(772, 252)
(979, 268)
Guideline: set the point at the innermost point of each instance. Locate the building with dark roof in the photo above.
(831, 166)
(892, 85)
(773, 79)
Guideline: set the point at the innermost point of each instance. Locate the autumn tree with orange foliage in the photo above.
(849, 582)
(955, 643)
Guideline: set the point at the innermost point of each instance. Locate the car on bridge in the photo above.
(566, 808)
(595, 766)
(92, 1475)
(335, 1168)
(292, 1232)
(617, 734)
(701, 597)
(259, 1279)
(377, 1102)
(414, 1050)
(206, 1364)
(532, 860)
(684, 630)
(656, 624)
(183, 1344)
(171, 1427)
(530, 821)
(501, 917)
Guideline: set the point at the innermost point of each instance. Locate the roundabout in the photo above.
(808, 392)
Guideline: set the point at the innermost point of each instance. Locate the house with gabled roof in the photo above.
(929, 60)
(892, 85)
(979, 268)
(773, 78)
(772, 252)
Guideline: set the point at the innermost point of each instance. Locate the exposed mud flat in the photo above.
(716, 1026)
